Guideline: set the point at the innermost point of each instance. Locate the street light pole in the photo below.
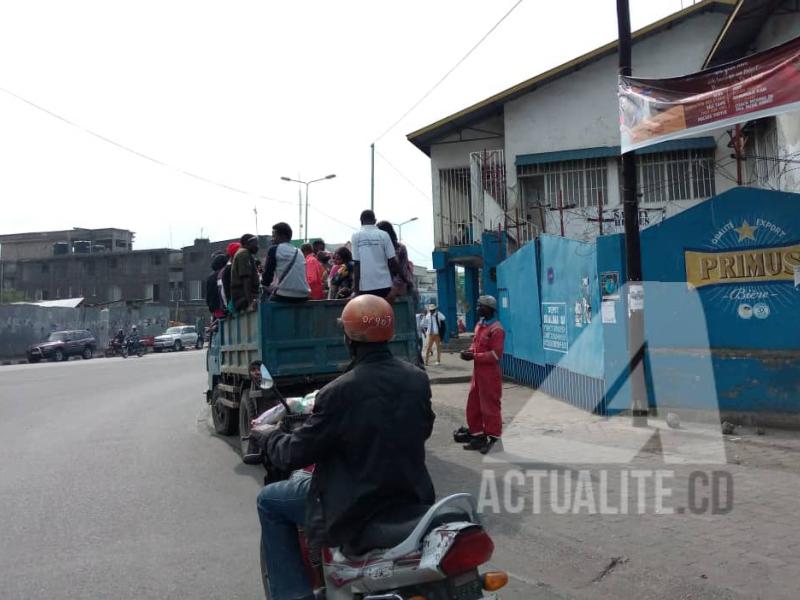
(307, 183)
(400, 227)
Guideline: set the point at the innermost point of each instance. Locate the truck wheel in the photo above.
(225, 419)
(87, 353)
(178, 346)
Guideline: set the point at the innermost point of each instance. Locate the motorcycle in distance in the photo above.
(133, 346)
(412, 553)
(116, 348)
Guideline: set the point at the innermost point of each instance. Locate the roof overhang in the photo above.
(423, 138)
(741, 28)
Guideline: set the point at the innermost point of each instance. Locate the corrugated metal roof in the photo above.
(701, 143)
(422, 138)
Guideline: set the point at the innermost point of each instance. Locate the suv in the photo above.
(60, 345)
(176, 338)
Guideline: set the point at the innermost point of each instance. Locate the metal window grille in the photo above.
(455, 198)
(678, 175)
(579, 182)
(762, 145)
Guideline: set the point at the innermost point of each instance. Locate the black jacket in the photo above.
(367, 438)
(213, 301)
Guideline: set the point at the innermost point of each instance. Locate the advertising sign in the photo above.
(760, 85)
(554, 326)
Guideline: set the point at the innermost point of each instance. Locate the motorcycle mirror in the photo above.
(266, 378)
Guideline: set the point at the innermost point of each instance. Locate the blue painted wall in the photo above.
(518, 299)
(705, 350)
(568, 283)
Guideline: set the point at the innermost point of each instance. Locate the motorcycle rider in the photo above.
(119, 339)
(133, 339)
(366, 437)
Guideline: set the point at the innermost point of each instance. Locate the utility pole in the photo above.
(300, 212)
(372, 178)
(633, 256)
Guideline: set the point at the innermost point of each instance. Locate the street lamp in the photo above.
(307, 183)
(400, 227)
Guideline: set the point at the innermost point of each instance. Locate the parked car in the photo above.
(176, 338)
(60, 345)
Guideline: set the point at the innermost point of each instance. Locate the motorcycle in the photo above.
(133, 346)
(116, 348)
(408, 553)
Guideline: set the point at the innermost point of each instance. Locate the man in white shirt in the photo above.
(433, 324)
(374, 260)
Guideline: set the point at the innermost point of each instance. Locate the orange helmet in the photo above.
(368, 318)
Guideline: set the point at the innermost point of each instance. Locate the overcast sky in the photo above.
(245, 92)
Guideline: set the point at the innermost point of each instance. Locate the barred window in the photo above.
(678, 175)
(455, 197)
(578, 182)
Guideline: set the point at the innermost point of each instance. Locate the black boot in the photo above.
(476, 443)
(490, 441)
(462, 435)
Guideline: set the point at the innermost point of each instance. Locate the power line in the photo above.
(142, 154)
(399, 172)
(453, 68)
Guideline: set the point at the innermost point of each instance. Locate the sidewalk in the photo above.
(749, 550)
(451, 370)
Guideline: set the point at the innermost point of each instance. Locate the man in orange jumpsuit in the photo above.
(484, 420)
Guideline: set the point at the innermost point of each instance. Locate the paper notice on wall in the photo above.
(635, 297)
(797, 276)
(608, 310)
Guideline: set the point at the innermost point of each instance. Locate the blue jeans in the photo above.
(281, 508)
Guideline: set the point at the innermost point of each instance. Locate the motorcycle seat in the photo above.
(393, 526)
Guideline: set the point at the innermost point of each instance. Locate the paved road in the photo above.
(112, 485)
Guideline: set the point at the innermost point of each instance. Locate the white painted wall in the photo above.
(451, 153)
(580, 110)
(778, 29)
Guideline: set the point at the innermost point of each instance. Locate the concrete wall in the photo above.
(777, 30)
(23, 324)
(451, 153)
(580, 110)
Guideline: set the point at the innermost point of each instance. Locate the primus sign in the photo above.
(742, 266)
(753, 256)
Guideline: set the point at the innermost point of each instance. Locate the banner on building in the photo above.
(760, 85)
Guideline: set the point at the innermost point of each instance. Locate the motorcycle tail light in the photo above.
(494, 580)
(470, 549)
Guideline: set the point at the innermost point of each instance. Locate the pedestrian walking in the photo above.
(434, 325)
(484, 417)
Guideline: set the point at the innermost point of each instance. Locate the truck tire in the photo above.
(225, 419)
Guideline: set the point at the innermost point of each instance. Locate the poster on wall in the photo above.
(554, 326)
(748, 267)
(760, 85)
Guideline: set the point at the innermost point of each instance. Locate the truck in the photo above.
(302, 346)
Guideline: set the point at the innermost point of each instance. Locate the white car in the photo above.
(176, 338)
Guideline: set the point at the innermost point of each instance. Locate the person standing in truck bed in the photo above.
(285, 271)
(244, 275)
(374, 258)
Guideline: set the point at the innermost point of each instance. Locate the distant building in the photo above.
(44, 244)
(35, 265)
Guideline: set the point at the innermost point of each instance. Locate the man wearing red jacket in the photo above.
(484, 419)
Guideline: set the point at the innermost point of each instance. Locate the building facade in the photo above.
(544, 155)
